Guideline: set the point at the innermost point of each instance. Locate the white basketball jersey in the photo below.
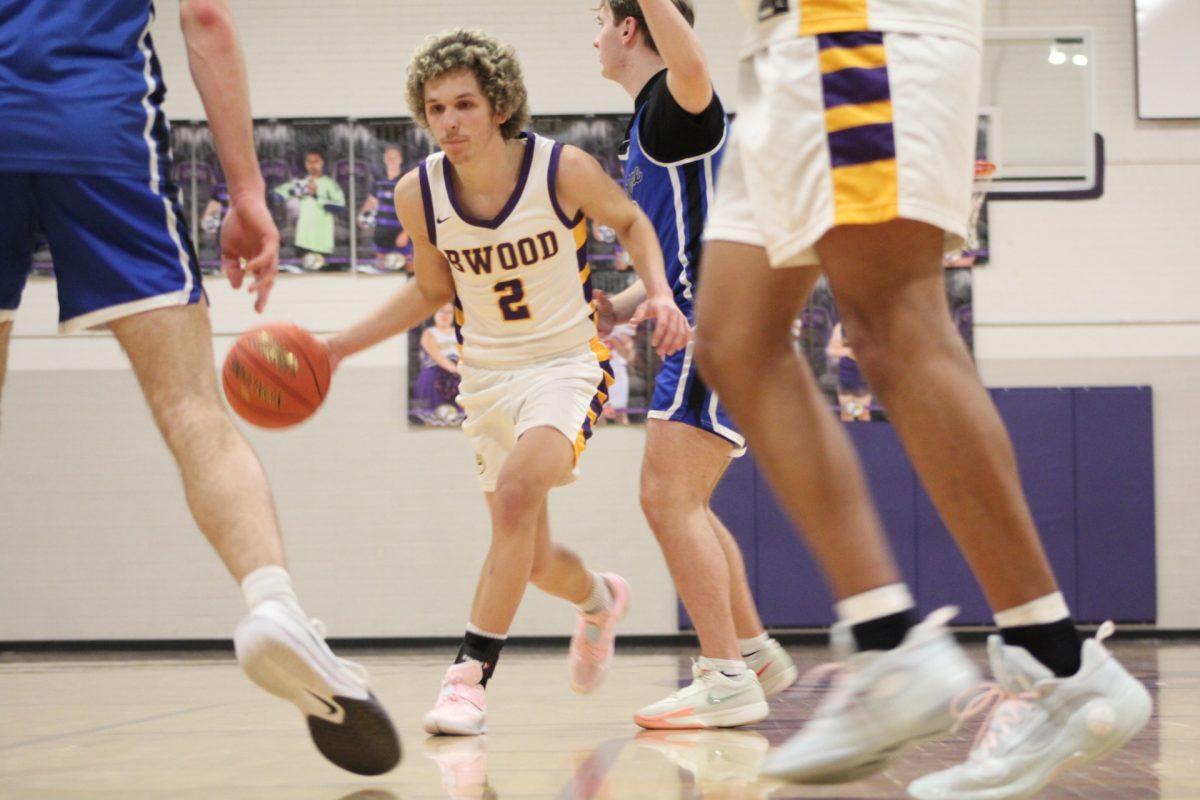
(522, 283)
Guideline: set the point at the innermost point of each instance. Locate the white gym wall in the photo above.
(385, 525)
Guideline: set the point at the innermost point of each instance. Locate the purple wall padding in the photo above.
(791, 590)
(1086, 462)
(1114, 473)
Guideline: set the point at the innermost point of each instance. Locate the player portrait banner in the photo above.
(329, 186)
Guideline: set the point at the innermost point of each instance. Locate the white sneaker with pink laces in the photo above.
(593, 644)
(1039, 724)
(880, 702)
(461, 707)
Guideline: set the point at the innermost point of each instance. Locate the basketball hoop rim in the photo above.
(984, 169)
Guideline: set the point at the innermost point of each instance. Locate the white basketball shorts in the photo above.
(566, 393)
(853, 128)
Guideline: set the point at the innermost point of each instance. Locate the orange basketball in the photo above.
(276, 375)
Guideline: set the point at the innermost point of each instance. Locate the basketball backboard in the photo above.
(1037, 110)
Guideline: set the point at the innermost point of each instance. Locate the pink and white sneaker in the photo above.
(461, 707)
(595, 634)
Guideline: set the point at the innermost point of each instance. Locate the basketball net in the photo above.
(984, 170)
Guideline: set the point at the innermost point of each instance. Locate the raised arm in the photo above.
(687, 68)
(249, 240)
(413, 302)
(583, 185)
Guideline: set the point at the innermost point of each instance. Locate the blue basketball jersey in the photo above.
(675, 196)
(81, 90)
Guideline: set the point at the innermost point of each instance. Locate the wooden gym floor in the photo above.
(192, 726)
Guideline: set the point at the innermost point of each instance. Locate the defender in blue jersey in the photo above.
(85, 159)
(675, 142)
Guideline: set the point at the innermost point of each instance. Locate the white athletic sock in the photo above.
(748, 647)
(1042, 611)
(270, 583)
(601, 597)
(727, 667)
(874, 604)
(473, 628)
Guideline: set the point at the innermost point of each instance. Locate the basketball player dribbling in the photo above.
(852, 155)
(93, 168)
(498, 225)
(676, 140)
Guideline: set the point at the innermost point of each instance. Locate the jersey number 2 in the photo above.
(512, 300)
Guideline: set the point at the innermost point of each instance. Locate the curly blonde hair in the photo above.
(493, 64)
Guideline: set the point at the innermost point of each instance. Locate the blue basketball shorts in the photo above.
(120, 246)
(680, 395)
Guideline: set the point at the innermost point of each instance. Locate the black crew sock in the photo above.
(483, 649)
(883, 633)
(1055, 644)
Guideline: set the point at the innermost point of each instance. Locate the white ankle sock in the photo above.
(727, 667)
(1042, 611)
(270, 583)
(473, 628)
(601, 597)
(874, 604)
(752, 645)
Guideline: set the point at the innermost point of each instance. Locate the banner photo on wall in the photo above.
(388, 149)
(330, 185)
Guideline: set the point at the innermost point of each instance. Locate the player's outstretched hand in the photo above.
(606, 317)
(250, 246)
(671, 330)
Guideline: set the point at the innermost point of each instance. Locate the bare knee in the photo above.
(656, 508)
(891, 344)
(514, 510)
(188, 421)
(666, 505)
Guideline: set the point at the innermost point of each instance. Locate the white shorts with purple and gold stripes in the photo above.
(853, 128)
(565, 392)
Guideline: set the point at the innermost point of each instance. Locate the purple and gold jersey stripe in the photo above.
(459, 319)
(858, 125)
(832, 16)
(579, 232)
(598, 400)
